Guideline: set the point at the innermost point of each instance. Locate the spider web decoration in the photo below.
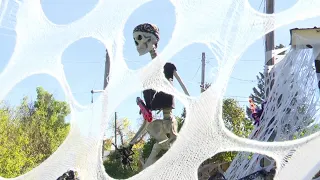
(228, 30)
(292, 106)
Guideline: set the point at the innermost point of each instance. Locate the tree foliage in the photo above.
(112, 164)
(235, 121)
(280, 46)
(31, 132)
(234, 118)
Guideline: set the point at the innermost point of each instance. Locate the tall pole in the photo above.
(203, 62)
(105, 83)
(106, 70)
(269, 46)
(269, 39)
(115, 128)
(269, 42)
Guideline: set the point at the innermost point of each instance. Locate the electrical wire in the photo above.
(254, 60)
(196, 72)
(246, 80)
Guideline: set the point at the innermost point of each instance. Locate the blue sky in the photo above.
(84, 60)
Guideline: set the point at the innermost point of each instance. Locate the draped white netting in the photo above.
(292, 106)
(228, 27)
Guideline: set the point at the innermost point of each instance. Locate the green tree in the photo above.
(235, 121)
(46, 127)
(147, 148)
(13, 155)
(31, 132)
(280, 46)
(234, 118)
(112, 164)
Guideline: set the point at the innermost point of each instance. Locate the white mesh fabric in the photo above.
(292, 105)
(228, 25)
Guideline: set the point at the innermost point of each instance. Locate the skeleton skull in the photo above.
(145, 42)
(146, 37)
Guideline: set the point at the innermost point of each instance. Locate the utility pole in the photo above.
(115, 128)
(269, 42)
(203, 69)
(105, 83)
(106, 70)
(269, 47)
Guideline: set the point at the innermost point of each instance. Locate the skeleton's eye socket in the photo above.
(136, 43)
(139, 37)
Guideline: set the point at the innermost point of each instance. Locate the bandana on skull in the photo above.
(145, 36)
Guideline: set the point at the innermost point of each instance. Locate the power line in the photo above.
(196, 72)
(257, 60)
(82, 62)
(131, 61)
(253, 81)
(239, 79)
(237, 96)
(203, 65)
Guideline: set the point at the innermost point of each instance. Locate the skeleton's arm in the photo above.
(181, 83)
(140, 132)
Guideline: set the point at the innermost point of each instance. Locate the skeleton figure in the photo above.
(164, 131)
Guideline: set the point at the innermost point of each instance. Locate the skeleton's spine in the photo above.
(153, 53)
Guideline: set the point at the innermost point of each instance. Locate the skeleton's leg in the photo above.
(170, 124)
(141, 130)
(157, 130)
(157, 147)
(160, 129)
